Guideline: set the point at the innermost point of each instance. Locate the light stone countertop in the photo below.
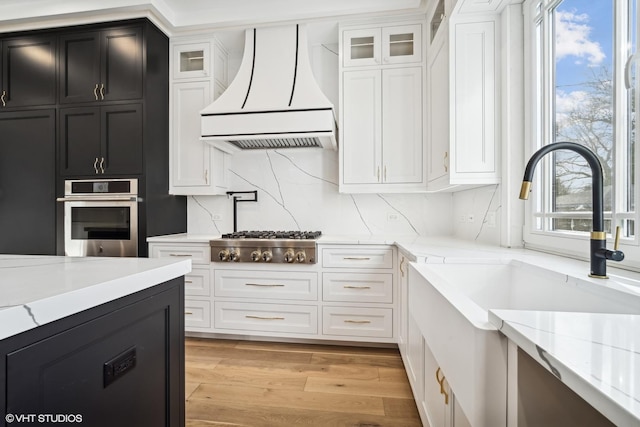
(36, 290)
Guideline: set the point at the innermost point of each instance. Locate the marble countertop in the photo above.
(597, 355)
(35, 290)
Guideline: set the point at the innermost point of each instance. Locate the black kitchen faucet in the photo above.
(599, 252)
(235, 204)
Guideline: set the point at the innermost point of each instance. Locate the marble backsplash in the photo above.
(298, 190)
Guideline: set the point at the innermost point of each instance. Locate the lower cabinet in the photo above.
(117, 364)
(349, 295)
(434, 398)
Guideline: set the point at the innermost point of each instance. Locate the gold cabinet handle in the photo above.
(616, 242)
(188, 313)
(264, 318)
(385, 173)
(188, 281)
(102, 92)
(101, 164)
(356, 287)
(357, 321)
(3, 98)
(95, 91)
(180, 255)
(378, 174)
(266, 285)
(357, 258)
(401, 270)
(206, 176)
(95, 165)
(441, 382)
(445, 161)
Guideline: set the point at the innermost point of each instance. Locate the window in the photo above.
(583, 81)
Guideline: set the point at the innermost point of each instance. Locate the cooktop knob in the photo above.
(267, 256)
(223, 255)
(256, 256)
(234, 255)
(301, 256)
(289, 256)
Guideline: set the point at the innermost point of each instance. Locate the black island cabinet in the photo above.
(118, 364)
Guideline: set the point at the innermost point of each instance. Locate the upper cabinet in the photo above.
(382, 45)
(198, 76)
(101, 66)
(382, 103)
(463, 63)
(28, 71)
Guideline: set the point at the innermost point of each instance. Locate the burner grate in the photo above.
(297, 235)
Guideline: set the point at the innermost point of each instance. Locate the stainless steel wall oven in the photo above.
(101, 217)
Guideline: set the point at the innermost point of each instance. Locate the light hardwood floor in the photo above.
(248, 383)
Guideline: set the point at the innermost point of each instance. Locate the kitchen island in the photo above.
(98, 341)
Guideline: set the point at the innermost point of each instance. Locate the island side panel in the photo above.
(120, 363)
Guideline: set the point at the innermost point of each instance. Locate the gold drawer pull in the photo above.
(357, 258)
(264, 318)
(264, 284)
(180, 255)
(357, 321)
(356, 287)
(188, 281)
(188, 312)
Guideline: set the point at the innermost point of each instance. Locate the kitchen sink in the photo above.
(450, 303)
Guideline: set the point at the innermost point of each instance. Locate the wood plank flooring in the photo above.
(247, 383)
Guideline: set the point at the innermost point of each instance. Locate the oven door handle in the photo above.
(100, 199)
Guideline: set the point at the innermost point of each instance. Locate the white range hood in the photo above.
(274, 100)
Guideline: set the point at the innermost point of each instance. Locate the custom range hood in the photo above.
(274, 100)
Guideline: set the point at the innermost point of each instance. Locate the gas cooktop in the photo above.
(272, 235)
(266, 246)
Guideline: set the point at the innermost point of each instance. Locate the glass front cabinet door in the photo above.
(382, 45)
(191, 60)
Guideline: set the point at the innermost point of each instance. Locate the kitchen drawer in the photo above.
(197, 282)
(197, 314)
(199, 254)
(266, 284)
(357, 322)
(299, 319)
(357, 287)
(358, 257)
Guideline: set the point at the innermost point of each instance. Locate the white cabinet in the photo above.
(383, 143)
(403, 302)
(196, 168)
(197, 284)
(382, 105)
(358, 292)
(382, 45)
(191, 60)
(438, 110)
(463, 107)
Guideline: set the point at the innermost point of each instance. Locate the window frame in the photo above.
(539, 129)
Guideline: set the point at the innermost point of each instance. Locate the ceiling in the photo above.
(178, 17)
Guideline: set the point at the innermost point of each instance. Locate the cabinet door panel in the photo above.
(122, 139)
(438, 110)
(362, 137)
(402, 125)
(79, 67)
(121, 68)
(79, 141)
(190, 155)
(29, 71)
(27, 177)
